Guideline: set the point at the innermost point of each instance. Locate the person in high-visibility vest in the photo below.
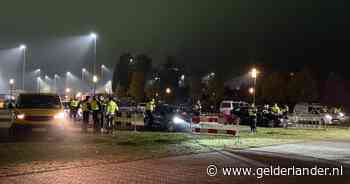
(85, 107)
(95, 108)
(103, 102)
(252, 111)
(149, 109)
(275, 109)
(111, 109)
(73, 107)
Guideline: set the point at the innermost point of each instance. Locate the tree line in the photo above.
(136, 77)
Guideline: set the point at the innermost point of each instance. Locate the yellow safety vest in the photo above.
(276, 109)
(74, 103)
(94, 105)
(85, 106)
(149, 106)
(112, 107)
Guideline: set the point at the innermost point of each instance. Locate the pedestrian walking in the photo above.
(85, 107)
(252, 118)
(95, 108)
(111, 110)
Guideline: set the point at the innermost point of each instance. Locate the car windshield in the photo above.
(38, 101)
(226, 105)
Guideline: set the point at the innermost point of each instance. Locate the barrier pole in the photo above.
(237, 137)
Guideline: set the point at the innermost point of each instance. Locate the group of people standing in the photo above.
(274, 113)
(103, 111)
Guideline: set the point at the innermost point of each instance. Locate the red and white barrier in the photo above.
(215, 124)
(215, 131)
(221, 118)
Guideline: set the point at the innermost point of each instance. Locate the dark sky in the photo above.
(228, 34)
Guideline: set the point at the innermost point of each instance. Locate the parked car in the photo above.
(306, 112)
(227, 106)
(168, 118)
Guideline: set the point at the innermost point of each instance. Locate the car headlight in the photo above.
(328, 117)
(178, 120)
(20, 116)
(341, 114)
(59, 115)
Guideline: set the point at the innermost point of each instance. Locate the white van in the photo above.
(227, 106)
(314, 112)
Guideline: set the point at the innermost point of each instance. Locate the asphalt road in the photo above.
(332, 151)
(181, 169)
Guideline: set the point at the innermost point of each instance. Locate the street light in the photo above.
(102, 68)
(23, 48)
(167, 90)
(11, 82)
(94, 37)
(254, 74)
(67, 90)
(251, 90)
(94, 80)
(55, 81)
(83, 71)
(38, 79)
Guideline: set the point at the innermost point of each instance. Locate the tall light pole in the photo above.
(55, 82)
(38, 72)
(83, 71)
(94, 38)
(38, 79)
(102, 68)
(11, 82)
(68, 74)
(23, 48)
(254, 74)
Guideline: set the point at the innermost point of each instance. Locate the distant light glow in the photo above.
(67, 90)
(22, 47)
(168, 90)
(94, 79)
(83, 70)
(68, 73)
(251, 90)
(254, 73)
(12, 81)
(182, 77)
(93, 35)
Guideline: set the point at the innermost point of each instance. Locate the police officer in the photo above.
(111, 109)
(275, 109)
(95, 108)
(85, 107)
(198, 107)
(150, 105)
(103, 102)
(74, 106)
(252, 118)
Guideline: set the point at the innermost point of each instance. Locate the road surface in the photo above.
(180, 169)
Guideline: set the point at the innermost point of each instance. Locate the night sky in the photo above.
(227, 34)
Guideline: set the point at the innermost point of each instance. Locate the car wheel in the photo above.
(271, 124)
(171, 127)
